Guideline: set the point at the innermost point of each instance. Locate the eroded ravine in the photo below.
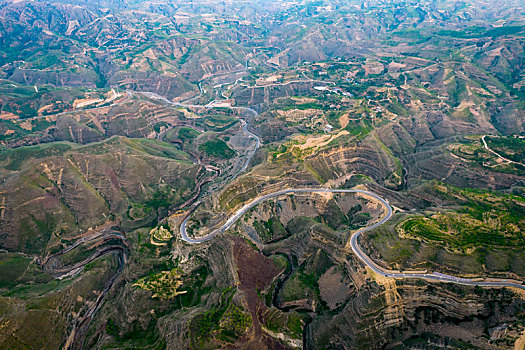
(108, 242)
(353, 242)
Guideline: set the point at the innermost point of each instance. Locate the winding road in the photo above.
(212, 105)
(496, 153)
(257, 145)
(434, 276)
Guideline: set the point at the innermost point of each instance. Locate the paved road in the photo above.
(257, 145)
(212, 105)
(496, 153)
(435, 276)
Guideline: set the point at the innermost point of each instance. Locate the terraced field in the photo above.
(352, 171)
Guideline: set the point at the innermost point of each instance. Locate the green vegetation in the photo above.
(270, 229)
(154, 148)
(11, 268)
(485, 219)
(112, 328)
(402, 114)
(19, 155)
(474, 152)
(45, 228)
(137, 337)
(164, 285)
(512, 148)
(480, 32)
(11, 131)
(161, 199)
(217, 148)
(303, 284)
(25, 101)
(225, 322)
(290, 323)
(219, 122)
(359, 128)
(186, 134)
(235, 321)
(295, 324)
(333, 216)
(194, 287)
(303, 106)
(158, 127)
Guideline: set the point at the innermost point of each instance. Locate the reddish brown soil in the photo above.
(255, 272)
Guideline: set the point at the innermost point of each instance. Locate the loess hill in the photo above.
(118, 120)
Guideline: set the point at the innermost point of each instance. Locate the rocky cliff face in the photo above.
(387, 314)
(349, 307)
